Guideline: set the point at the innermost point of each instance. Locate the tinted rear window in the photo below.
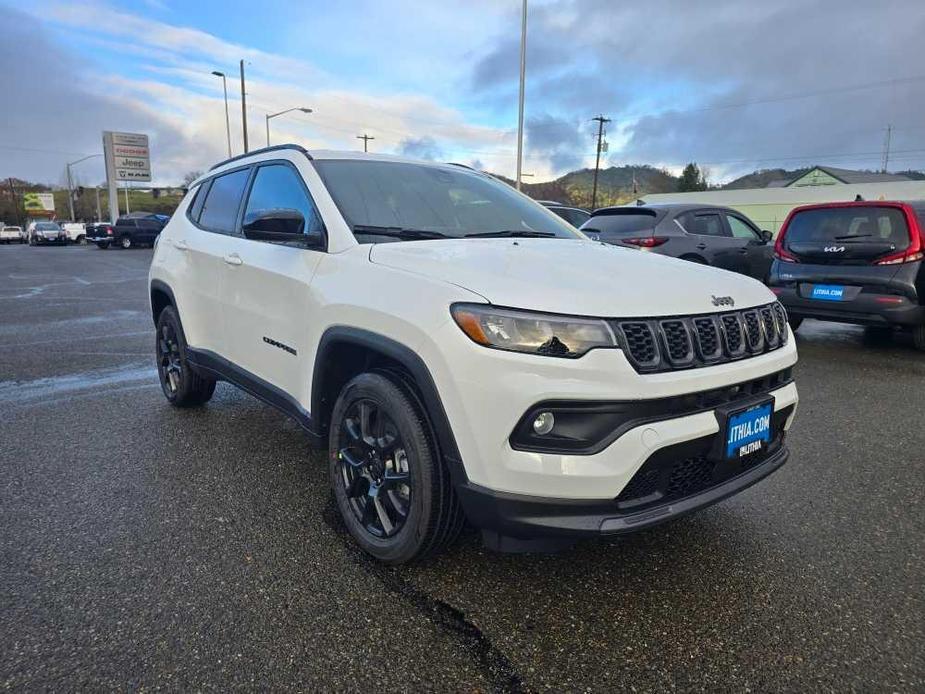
(625, 223)
(868, 224)
(220, 210)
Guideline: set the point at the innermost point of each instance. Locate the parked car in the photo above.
(46, 232)
(12, 234)
(854, 262)
(99, 233)
(76, 231)
(573, 215)
(135, 229)
(465, 353)
(717, 236)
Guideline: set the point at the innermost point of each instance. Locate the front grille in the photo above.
(691, 341)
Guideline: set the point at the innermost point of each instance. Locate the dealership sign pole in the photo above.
(128, 158)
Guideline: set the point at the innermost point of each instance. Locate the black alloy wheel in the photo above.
(169, 365)
(183, 385)
(374, 469)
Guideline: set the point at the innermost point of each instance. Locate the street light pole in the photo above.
(70, 184)
(227, 119)
(520, 112)
(243, 107)
(288, 110)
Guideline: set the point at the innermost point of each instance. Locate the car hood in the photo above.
(573, 276)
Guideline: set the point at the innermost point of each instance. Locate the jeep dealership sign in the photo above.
(127, 156)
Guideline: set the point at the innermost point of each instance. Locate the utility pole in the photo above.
(19, 212)
(70, 192)
(99, 207)
(520, 110)
(886, 148)
(243, 107)
(597, 163)
(127, 208)
(366, 138)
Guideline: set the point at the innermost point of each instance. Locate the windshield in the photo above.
(847, 224)
(47, 226)
(403, 198)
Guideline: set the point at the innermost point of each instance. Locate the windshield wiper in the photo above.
(848, 237)
(512, 233)
(397, 232)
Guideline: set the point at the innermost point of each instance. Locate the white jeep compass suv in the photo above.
(465, 353)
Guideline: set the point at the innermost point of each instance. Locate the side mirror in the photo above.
(276, 225)
(766, 236)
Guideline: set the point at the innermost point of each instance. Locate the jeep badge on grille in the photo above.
(723, 301)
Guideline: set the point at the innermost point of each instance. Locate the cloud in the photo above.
(420, 148)
(667, 72)
(558, 140)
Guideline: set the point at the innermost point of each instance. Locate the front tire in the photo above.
(182, 385)
(392, 489)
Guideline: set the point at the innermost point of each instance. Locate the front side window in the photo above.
(394, 198)
(740, 229)
(279, 187)
(220, 209)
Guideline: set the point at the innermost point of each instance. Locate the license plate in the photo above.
(749, 431)
(828, 292)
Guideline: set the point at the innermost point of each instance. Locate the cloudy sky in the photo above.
(733, 84)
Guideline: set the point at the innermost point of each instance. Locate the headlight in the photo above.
(533, 333)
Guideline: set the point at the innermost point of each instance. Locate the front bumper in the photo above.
(673, 482)
(867, 308)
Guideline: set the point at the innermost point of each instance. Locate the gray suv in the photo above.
(717, 236)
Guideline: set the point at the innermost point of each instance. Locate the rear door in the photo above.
(266, 285)
(201, 248)
(710, 237)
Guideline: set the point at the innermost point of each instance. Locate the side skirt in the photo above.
(221, 369)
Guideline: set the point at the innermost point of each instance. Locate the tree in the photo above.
(692, 179)
(189, 177)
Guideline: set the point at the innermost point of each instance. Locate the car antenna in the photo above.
(640, 202)
(858, 198)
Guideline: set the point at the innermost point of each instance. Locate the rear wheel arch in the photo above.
(345, 352)
(161, 297)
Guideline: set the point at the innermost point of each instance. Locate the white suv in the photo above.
(465, 353)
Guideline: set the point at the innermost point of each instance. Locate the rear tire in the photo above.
(183, 386)
(125, 242)
(795, 323)
(103, 246)
(392, 489)
(918, 337)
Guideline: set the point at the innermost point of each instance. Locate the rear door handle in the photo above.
(702, 246)
(180, 245)
(234, 259)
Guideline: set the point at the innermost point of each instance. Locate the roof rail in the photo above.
(262, 150)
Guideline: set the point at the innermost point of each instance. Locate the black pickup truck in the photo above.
(135, 229)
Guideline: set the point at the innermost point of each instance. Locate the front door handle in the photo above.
(234, 259)
(180, 245)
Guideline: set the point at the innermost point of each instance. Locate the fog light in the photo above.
(544, 423)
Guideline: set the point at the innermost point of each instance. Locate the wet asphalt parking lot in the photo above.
(144, 547)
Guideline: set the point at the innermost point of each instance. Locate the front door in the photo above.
(266, 285)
